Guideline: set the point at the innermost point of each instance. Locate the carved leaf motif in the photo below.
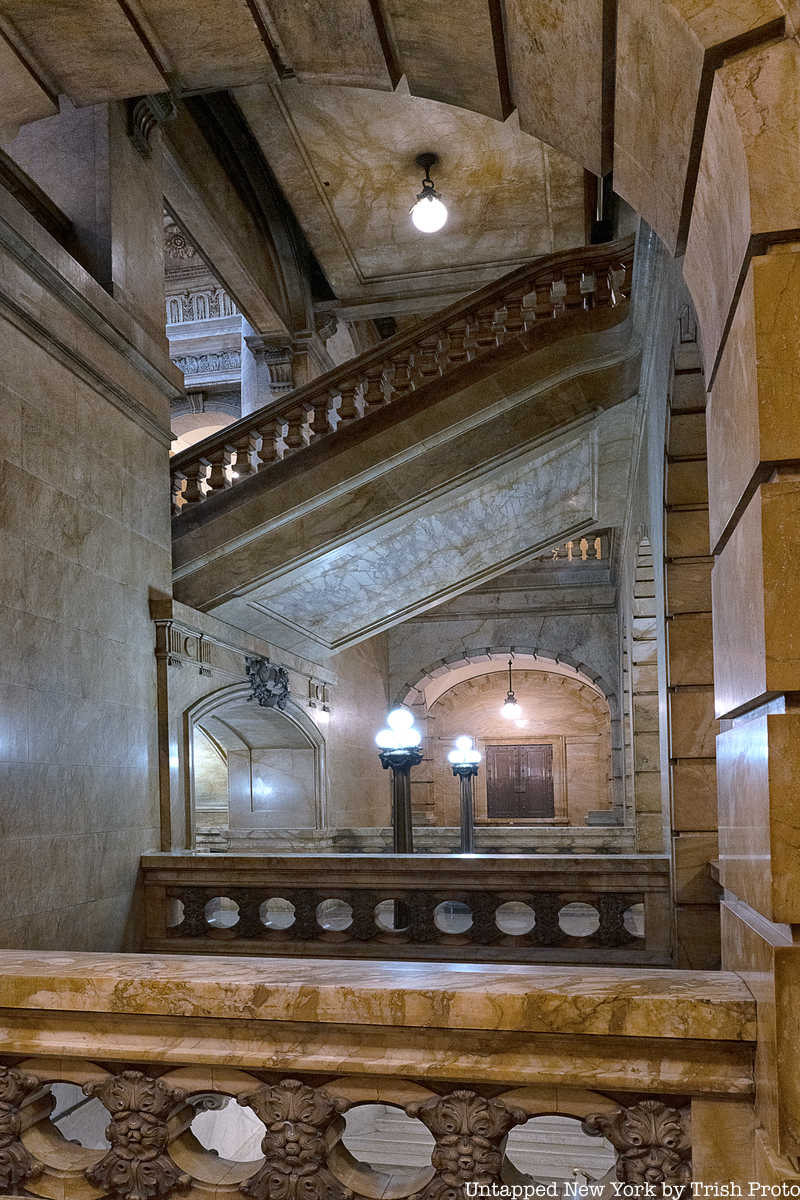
(468, 1130)
(16, 1164)
(137, 1167)
(651, 1139)
(296, 1117)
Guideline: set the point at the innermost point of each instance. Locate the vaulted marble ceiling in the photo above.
(610, 83)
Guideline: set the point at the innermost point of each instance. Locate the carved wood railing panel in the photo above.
(601, 910)
(551, 288)
(152, 1152)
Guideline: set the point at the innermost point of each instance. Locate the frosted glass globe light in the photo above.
(429, 214)
(400, 733)
(511, 710)
(465, 754)
(400, 718)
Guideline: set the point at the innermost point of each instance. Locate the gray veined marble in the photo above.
(439, 548)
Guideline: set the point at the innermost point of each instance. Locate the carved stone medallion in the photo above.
(269, 684)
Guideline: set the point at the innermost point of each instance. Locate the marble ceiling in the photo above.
(344, 157)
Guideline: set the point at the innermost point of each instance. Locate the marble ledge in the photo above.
(601, 1001)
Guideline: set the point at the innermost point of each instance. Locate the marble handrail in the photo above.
(603, 909)
(159, 1040)
(552, 287)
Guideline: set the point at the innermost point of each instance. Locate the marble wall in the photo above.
(84, 537)
(358, 787)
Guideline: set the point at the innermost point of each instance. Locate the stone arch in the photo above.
(439, 676)
(298, 720)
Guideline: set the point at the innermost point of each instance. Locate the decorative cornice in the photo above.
(35, 263)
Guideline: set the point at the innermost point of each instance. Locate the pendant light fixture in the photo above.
(429, 214)
(510, 710)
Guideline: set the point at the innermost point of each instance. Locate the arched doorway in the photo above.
(254, 769)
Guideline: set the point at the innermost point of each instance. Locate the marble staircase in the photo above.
(360, 499)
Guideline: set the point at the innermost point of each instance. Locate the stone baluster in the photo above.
(321, 418)
(16, 1165)
(482, 330)
(611, 907)
(297, 435)
(453, 347)
(177, 480)
(348, 404)
(469, 1131)
(544, 307)
(546, 931)
(652, 1142)
(510, 320)
(425, 360)
(573, 293)
(402, 375)
(374, 392)
(247, 447)
(298, 1120)
(196, 473)
(617, 279)
(271, 449)
(137, 1164)
(220, 475)
(589, 289)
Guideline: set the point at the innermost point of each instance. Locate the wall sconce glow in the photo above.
(429, 214)
(511, 710)
(400, 734)
(465, 754)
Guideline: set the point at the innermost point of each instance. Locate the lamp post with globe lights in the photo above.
(464, 760)
(399, 750)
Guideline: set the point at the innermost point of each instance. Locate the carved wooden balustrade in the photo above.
(660, 1063)
(553, 287)
(487, 907)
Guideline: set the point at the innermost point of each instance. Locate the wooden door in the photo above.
(519, 782)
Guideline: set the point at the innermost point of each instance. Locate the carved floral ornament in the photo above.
(269, 684)
(302, 1122)
(652, 1142)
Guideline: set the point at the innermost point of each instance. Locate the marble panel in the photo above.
(694, 795)
(693, 727)
(555, 58)
(645, 713)
(337, 43)
(215, 50)
(690, 649)
(687, 434)
(723, 1131)
(750, 414)
(721, 222)
(646, 752)
(688, 390)
(691, 855)
(688, 587)
(687, 482)
(687, 533)
(757, 763)
(763, 955)
(697, 934)
(756, 597)
(659, 65)
(647, 790)
(697, 1006)
(376, 578)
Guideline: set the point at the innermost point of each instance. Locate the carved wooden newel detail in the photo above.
(652, 1141)
(296, 1117)
(16, 1164)
(468, 1130)
(137, 1166)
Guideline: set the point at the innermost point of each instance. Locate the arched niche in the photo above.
(275, 762)
(562, 740)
